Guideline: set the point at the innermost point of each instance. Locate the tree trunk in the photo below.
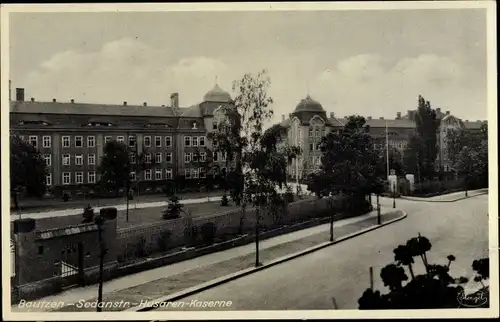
(411, 271)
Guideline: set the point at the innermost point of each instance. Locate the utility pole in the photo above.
(257, 228)
(331, 219)
(393, 195)
(378, 210)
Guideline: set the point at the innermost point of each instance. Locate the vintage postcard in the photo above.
(249, 160)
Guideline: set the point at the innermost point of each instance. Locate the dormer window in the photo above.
(195, 126)
(97, 123)
(214, 126)
(37, 122)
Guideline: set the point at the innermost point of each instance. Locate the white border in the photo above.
(346, 314)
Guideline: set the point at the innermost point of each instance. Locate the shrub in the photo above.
(191, 235)
(163, 240)
(289, 194)
(208, 231)
(224, 201)
(65, 197)
(174, 208)
(435, 289)
(88, 214)
(140, 247)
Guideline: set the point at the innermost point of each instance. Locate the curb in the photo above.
(453, 200)
(153, 304)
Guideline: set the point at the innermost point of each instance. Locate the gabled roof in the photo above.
(89, 109)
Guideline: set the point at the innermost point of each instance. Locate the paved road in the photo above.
(341, 271)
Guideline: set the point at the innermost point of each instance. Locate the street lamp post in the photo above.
(378, 210)
(331, 219)
(393, 195)
(99, 220)
(257, 229)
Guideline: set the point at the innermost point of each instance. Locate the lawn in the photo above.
(150, 215)
(136, 216)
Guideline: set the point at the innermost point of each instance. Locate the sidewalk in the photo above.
(455, 196)
(173, 278)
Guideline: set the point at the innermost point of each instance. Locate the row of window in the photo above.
(317, 132)
(66, 159)
(67, 178)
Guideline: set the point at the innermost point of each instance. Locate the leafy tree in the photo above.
(472, 164)
(413, 160)
(27, 170)
(431, 290)
(115, 166)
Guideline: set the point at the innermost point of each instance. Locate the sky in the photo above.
(372, 63)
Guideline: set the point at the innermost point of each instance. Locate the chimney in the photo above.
(283, 118)
(174, 100)
(54, 100)
(19, 94)
(72, 100)
(369, 117)
(145, 104)
(125, 103)
(32, 99)
(398, 115)
(332, 115)
(447, 112)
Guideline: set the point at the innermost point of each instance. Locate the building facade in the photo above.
(71, 136)
(309, 122)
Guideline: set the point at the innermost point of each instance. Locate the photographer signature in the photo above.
(472, 300)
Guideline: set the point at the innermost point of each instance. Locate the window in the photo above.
(157, 174)
(168, 174)
(91, 159)
(195, 141)
(46, 140)
(147, 174)
(203, 156)
(33, 140)
(120, 139)
(66, 178)
(203, 173)
(66, 160)
(311, 132)
(215, 156)
(168, 157)
(195, 157)
(21, 137)
(133, 177)
(107, 139)
(311, 146)
(223, 157)
(168, 141)
(187, 157)
(158, 141)
(91, 177)
(131, 141)
(78, 141)
(158, 158)
(90, 141)
(65, 142)
(187, 141)
(147, 141)
(79, 177)
(214, 125)
(48, 179)
(48, 159)
(202, 141)
(132, 157)
(147, 158)
(196, 173)
(317, 132)
(187, 173)
(79, 159)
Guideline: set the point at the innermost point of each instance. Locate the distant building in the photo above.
(71, 136)
(309, 122)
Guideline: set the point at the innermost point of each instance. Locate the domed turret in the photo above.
(309, 105)
(217, 94)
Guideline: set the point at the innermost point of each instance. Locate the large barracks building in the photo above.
(71, 135)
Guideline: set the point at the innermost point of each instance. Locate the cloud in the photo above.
(130, 70)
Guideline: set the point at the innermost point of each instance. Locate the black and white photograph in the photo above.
(238, 160)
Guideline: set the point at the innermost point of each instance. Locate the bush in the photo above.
(88, 214)
(65, 197)
(191, 235)
(289, 195)
(224, 201)
(174, 208)
(435, 289)
(163, 240)
(140, 247)
(356, 206)
(208, 231)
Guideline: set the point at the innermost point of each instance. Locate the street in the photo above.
(342, 271)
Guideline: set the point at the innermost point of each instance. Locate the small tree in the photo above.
(115, 166)
(224, 201)
(27, 170)
(174, 208)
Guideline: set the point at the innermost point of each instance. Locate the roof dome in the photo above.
(309, 105)
(217, 94)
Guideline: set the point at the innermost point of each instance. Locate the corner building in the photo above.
(71, 136)
(309, 122)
